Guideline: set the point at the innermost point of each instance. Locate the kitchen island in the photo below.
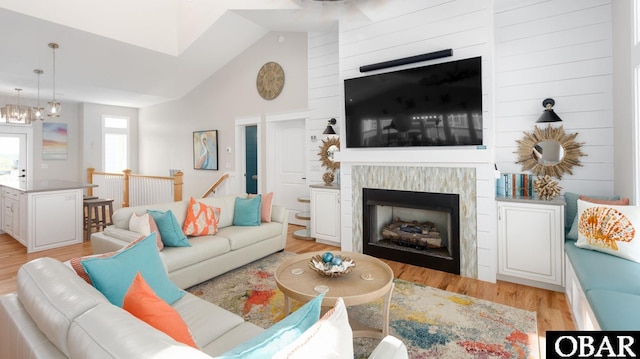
(43, 214)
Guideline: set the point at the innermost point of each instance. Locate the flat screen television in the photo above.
(435, 105)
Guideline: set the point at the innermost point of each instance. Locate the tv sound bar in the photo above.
(407, 60)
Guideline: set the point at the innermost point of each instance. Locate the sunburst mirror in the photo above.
(549, 151)
(329, 147)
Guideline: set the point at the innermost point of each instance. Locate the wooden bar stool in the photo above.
(97, 214)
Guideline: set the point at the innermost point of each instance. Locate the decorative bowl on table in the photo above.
(331, 266)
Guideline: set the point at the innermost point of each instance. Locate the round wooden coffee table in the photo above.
(369, 280)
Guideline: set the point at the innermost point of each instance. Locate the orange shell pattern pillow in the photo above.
(141, 301)
(201, 220)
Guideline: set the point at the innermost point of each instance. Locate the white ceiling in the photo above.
(137, 53)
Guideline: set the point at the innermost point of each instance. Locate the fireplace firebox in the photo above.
(419, 228)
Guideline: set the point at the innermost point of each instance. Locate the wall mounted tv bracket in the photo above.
(407, 60)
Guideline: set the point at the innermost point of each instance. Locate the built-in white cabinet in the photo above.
(325, 214)
(11, 215)
(44, 217)
(530, 242)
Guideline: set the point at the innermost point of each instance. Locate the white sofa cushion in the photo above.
(206, 320)
(54, 296)
(94, 335)
(227, 205)
(202, 248)
(240, 236)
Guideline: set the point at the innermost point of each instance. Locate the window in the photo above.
(115, 143)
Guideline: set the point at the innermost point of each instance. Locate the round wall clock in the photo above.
(270, 80)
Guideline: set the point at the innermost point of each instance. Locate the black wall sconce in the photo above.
(329, 130)
(548, 115)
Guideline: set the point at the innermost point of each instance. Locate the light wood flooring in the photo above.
(551, 307)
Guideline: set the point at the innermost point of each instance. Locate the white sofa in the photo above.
(234, 246)
(56, 314)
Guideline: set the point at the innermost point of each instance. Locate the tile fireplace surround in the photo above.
(461, 181)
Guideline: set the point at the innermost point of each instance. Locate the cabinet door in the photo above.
(55, 219)
(7, 215)
(530, 241)
(325, 215)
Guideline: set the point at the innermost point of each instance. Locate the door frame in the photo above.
(270, 120)
(241, 162)
(27, 131)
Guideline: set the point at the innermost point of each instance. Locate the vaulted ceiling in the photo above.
(137, 53)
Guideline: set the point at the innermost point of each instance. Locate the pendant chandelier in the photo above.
(53, 107)
(38, 112)
(16, 113)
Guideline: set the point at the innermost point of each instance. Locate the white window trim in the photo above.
(112, 130)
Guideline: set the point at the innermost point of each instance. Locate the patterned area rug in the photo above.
(431, 322)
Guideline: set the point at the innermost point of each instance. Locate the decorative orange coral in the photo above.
(603, 226)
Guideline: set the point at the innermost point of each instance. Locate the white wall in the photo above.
(68, 169)
(325, 100)
(559, 49)
(166, 130)
(91, 128)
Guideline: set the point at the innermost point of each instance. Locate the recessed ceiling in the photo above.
(143, 52)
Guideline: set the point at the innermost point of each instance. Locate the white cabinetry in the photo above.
(11, 215)
(43, 219)
(325, 214)
(530, 243)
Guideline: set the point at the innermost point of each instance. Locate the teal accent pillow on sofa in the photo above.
(170, 230)
(279, 335)
(247, 211)
(113, 275)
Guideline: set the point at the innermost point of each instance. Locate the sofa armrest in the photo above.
(390, 348)
(279, 214)
(21, 337)
(112, 239)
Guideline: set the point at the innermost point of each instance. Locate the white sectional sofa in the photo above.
(56, 314)
(233, 247)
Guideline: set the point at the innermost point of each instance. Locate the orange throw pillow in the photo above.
(201, 220)
(141, 301)
(265, 207)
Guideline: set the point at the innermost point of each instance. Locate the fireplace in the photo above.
(419, 228)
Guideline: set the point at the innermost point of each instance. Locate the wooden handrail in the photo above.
(215, 185)
(177, 178)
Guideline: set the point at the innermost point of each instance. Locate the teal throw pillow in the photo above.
(170, 230)
(247, 211)
(278, 336)
(113, 275)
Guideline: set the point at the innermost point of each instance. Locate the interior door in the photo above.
(13, 157)
(290, 160)
(251, 159)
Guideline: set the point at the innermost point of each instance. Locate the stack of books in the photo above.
(515, 185)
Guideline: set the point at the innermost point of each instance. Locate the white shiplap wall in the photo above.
(325, 101)
(531, 49)
(413, 28)
(563, 50)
